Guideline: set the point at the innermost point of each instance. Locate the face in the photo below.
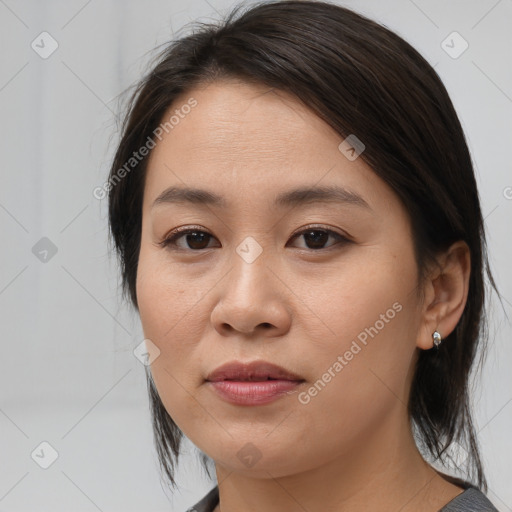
(325, 287)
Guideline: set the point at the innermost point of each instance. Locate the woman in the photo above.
(298, 225)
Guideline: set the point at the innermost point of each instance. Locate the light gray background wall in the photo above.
(68, 375)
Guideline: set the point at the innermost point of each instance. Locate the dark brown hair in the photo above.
(363, 79)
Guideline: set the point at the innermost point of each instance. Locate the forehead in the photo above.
(251, 142)
(239, 120)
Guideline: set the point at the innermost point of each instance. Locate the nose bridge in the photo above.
(250, 250)
(250, 261)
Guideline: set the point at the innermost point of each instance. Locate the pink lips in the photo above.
(255, 383)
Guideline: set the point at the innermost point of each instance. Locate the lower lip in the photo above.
(253, 393)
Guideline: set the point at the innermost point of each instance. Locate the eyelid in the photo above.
(319, 227)
(175, 234)
(342, 239)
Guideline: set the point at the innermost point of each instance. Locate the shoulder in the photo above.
(471, 500)
(207, 503)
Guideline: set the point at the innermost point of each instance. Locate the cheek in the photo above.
(171, 318)
(361, 377)
(168, 301)
(371, 311)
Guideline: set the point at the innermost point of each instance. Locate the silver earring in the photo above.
(437, 339)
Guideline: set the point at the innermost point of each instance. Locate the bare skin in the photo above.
(298, 305)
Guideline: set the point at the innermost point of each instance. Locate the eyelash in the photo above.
(178, 233)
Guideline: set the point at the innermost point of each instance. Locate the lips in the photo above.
(255, 371)
(256, 383)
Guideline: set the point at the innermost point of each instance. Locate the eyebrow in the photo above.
(295, 197)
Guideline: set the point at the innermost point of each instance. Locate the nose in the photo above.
(252, 301)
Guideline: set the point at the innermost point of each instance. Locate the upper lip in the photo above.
(255, 370)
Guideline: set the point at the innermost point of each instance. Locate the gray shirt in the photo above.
(471, 500)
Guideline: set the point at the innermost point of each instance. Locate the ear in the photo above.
(445, 293)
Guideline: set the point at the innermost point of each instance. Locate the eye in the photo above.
(197, 239)
(316, 237)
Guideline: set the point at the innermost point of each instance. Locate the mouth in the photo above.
(255, 371)
(254, 383)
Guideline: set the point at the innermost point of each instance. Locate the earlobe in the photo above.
(446, 291)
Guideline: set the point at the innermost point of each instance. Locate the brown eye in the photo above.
(194, 239)
(316, 238)
(197, 239)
